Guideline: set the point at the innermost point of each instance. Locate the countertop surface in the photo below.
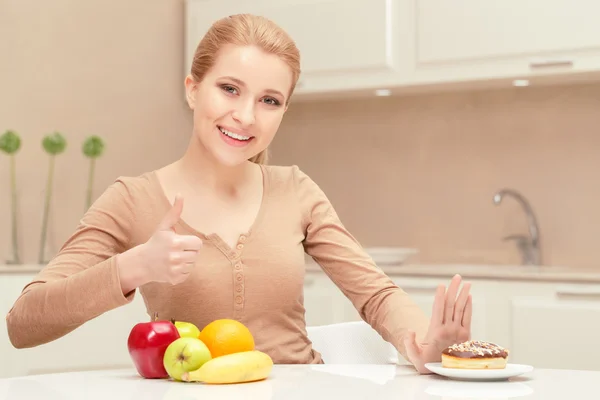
(291, 382)
(467, 271)
(19, 269)
(493, 272)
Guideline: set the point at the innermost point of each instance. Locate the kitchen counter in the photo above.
(467, 271)
(291, 382)
(491, 272)
(20, 269)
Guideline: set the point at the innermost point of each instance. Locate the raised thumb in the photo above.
(172, 216)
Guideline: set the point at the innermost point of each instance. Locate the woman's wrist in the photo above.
(131, 271)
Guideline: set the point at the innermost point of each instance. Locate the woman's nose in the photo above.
(244, 114)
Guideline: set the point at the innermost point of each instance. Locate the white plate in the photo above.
(480, 374)
(390, 255)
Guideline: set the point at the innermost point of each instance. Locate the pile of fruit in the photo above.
(222, 352)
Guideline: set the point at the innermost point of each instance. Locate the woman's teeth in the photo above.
(234, 135)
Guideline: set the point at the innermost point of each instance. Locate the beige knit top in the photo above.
(258, 282)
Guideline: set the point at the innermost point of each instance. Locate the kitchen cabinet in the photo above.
(545, 324)
(323, 301)
(356, 46)
(343, 43)
(423, 293)
(100, 343)
(556, 325)
(478, 40)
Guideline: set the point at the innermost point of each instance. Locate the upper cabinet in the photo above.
(473, 39)
(361, 45)
(343, 43)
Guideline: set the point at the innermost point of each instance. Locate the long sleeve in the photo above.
(380, 302)
(82, 280)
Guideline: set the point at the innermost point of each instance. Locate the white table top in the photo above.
(310, 382)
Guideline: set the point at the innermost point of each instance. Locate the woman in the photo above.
(235, 247)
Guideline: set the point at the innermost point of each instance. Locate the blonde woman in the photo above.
(220, 234)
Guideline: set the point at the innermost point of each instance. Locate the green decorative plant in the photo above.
(54, 144)
(93, 147)
(10, 143)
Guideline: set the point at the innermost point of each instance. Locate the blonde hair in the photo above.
(246, 30)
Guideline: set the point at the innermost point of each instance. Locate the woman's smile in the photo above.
(234, 139)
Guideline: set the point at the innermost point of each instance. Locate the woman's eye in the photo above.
(272, 101)
(229, 89)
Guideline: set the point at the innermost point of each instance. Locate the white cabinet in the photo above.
(471, 39)
(423, 293)
(556, 325)
(100, 343)
(547, 325)
(355, 46)
(343, 43)
(323, 301)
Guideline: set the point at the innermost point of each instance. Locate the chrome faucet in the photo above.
(528, 246)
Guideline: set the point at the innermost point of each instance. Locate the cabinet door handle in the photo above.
(551, 63)
(576, 290)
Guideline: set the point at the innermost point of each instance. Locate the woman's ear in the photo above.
(190, 91)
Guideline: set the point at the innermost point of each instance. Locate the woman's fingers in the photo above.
(437, 314)
(451, 299)
(189, 242)
(466, 317)
(189, 257)
(461, 302)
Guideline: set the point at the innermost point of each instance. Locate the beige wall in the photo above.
(417, 171)
(421, 171)
(111, 68)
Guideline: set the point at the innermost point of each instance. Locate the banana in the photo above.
(246, 366)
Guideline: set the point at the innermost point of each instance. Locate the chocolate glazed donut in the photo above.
(475, 354)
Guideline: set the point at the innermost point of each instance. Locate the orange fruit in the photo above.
(226, 336)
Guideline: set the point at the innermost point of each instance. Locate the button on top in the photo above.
(238, 266)
(242, 238)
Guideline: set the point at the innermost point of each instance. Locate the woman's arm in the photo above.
(380, 302)
(85, 279)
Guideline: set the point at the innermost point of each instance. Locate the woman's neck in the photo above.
(198, 169)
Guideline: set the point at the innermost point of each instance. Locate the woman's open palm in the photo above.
(450, 323)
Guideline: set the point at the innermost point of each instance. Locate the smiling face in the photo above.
(239, 104)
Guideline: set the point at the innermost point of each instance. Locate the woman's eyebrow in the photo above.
(241, 83)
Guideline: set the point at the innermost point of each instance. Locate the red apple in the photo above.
(147, 344)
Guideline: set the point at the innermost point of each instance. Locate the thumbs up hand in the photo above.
(169, 257)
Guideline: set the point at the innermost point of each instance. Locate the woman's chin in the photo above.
(230, 159)
(227, 155)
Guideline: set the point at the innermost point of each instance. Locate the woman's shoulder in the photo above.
(285, 175)
(294, 180)
(135, 191)
(133, 184)
(299, 190)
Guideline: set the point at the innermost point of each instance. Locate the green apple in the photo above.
(183, 355)
(187, 329)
